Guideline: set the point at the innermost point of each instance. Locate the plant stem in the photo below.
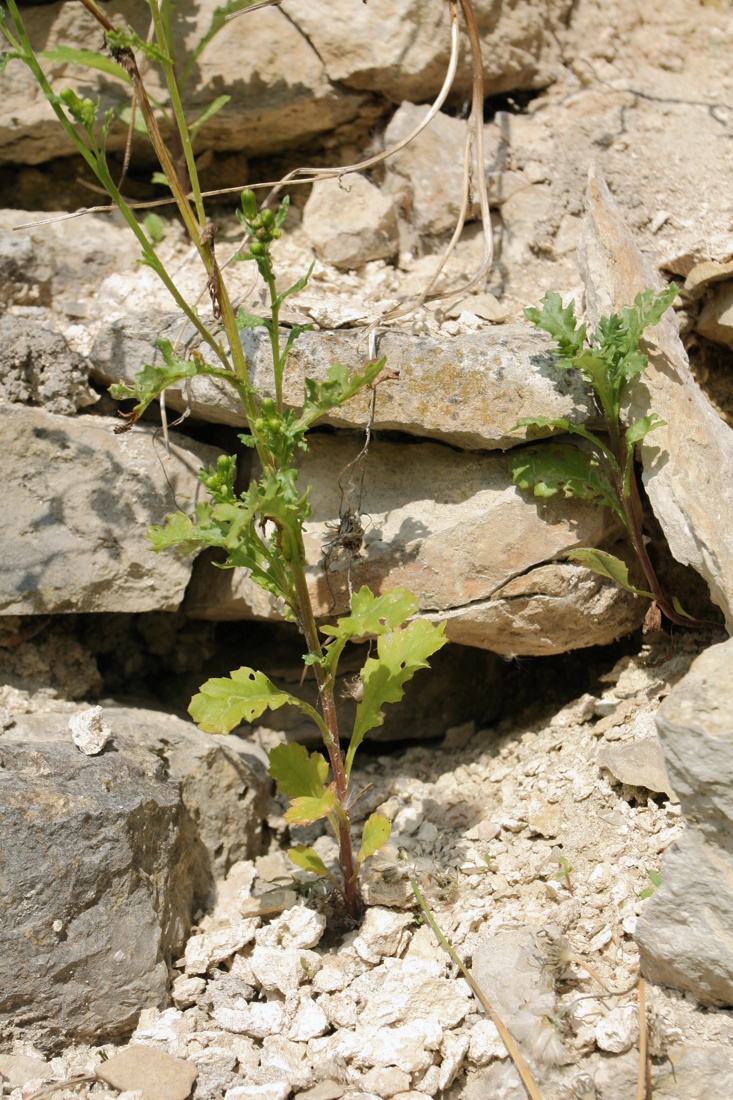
(324, 681)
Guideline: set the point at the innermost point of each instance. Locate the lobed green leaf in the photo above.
(561, 325)
(306, 809)
(225, 702)
(400, 653)
(297, 772)
(561, 468)
(376, 833)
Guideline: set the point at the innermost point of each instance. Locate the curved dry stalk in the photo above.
(511, 1046)
(642, 1090)
(370, 162)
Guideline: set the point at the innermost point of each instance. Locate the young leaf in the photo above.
(244, 319)
(90, 59)
(225, 701)
(213, 108)
(375, 835)
(561, 325)
(306, 809)
(297, 772)
(606, 565)
(297, 286)
(152, 380)
(307, 860)
(562, 468)
(372, 614)
(640, 428)
(399, 656)
(338, 388)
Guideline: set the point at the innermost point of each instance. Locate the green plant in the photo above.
(163, 18)
(602, 471)
(260, 528)
(564, 872)
(656, 881)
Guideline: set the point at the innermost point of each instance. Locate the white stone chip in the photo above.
(206, 951)
(89, 732)
(617, 1031)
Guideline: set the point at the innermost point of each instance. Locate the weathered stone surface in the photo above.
(153, 1072)
(104, 858)
(684, 932)
(432, 198)
(350, 222)
(37, 367)
(640, 764)
(688, 463)
(453, 529)
(61, 264)
(76, 505)
(280, 92)
(402, 52)
(467, 391)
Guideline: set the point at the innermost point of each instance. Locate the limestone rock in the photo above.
(77, 502)
(681, 933)
(350, 222)
(280, 92)
(639, 764)
(153, 1072)
(688, 463)
(402, 53)
(105, 857)
(37, 367)
(432, 198)
(467, 391)
(451, 528)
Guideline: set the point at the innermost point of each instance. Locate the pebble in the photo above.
(153, 1072)
(210, 949)
(89, 732)
(616, 1032)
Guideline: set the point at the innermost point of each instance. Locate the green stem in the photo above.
(175, 97)
(324, 680)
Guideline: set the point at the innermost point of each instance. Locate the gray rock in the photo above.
(639, 764)
(16, 1069)
(156, 1074)
(683, 933)
(403, 53)
(280, 92)
(37, 367)
(77, 502)
(105, 858)
(468, 391)
(350, 222)
(687, 463)
(432, 198)
(451, 528)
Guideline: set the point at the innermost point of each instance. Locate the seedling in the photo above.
(656, 881)
(261, 528)
(563, 875)
(603, 471)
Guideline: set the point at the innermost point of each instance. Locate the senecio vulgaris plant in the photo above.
(260, 529)
(603, 471)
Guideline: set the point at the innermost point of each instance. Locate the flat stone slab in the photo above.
(77, 501)
(467, 391)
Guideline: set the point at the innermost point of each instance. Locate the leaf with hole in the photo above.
(224, 702)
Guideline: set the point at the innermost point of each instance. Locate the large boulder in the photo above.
(688, 461)
(280, 92)
(77, 502)
(105, 858)
(684, 933)
(467, 391)
(453, 529)
(401, 50)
